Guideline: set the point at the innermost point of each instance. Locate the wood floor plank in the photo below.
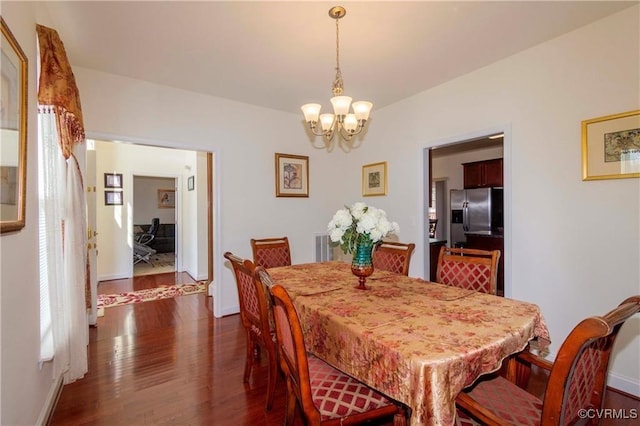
(170, 362)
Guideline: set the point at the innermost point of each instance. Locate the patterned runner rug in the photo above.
(139, 296)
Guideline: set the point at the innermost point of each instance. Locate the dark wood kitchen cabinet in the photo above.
(483, 174)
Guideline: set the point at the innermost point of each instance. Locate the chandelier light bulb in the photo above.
(362, 109)
(311, 112)
(341, 105)
(350, 123)
(326, 120)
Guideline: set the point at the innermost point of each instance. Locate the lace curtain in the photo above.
(64, 324)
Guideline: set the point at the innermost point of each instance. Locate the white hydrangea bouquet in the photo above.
(359, 224)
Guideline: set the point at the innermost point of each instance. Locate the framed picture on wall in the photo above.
(374, 179)
(292, 175)
(190, 183)
(113, 180)
(166, 198)
(112, 198)
(611, 146)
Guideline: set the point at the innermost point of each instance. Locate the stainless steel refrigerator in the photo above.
(475, 210)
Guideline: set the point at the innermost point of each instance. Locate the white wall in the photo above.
(24, 385)
(244, 161)
(574, 244)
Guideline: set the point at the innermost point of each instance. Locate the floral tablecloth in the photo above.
(418, 342)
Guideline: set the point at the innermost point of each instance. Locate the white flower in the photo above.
(342, 219)
(359, 223)
(358, 209)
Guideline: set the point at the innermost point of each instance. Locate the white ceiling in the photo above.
(281, 55)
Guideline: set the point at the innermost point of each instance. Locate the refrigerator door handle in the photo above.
(465, 218)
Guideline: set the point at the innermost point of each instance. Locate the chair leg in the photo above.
(399, 419)
(248, 363)
(291, 405)
(273, 377)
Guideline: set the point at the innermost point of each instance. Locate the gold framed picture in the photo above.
(13, 132)
(374, 179)
(292, 175)
(611, 146)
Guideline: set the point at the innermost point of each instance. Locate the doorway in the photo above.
(442, 165)
(154, 225)
(189, 179)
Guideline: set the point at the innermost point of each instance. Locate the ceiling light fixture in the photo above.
(341, 121)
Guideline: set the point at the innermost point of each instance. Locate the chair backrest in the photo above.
(155, 224)
(254, 308)
(291, 348)
(150, 234)
(578, 376)
(469, 268)
(271, 252)
(392, 256)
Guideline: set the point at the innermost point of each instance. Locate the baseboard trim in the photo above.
(50, 403)
(112, 277)
(628, 386)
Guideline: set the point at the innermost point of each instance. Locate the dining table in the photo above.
(416, 341)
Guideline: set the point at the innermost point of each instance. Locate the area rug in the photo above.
(160, 263)
(139, 296)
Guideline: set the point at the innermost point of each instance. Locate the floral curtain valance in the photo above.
(57, 88)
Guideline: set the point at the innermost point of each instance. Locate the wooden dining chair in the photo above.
(325, 395)
(576, 382)
(271, 252)
(257, 320)
(393, 257)
(469, 268)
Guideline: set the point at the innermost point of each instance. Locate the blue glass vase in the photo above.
(362, 263)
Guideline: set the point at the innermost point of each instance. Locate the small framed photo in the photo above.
(166, 198)
(292, 175)
(190, 183)
(374, 179)
(113, 180)
(611, 147)
(112, 198)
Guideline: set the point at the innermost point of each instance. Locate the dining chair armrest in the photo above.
(517, 368)
(527, 356)
(471, 406)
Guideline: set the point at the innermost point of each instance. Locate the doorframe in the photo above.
(423, 225)
(213, 201)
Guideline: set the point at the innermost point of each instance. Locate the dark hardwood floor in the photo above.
(170, 362)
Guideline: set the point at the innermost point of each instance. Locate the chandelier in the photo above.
(346, 124)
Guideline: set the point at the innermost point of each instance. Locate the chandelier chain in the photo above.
(338, 84)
